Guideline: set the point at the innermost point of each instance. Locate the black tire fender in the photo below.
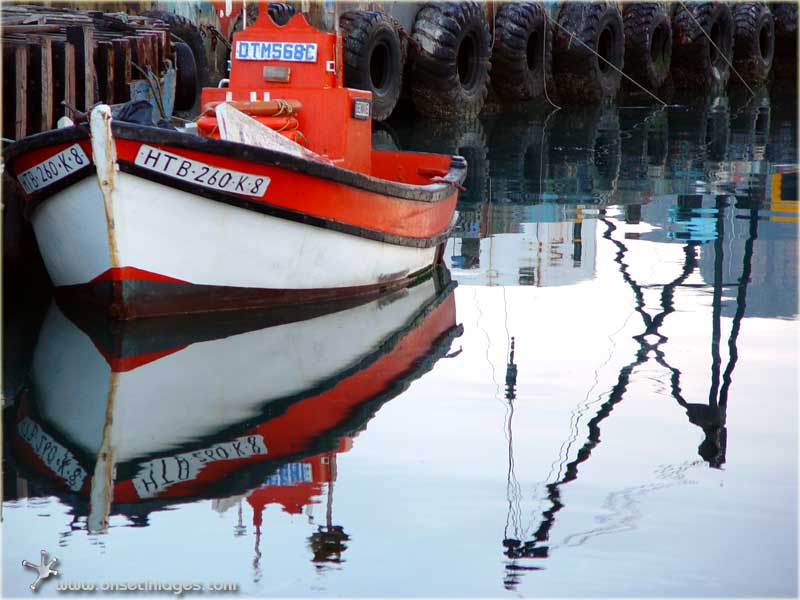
(696, 63)
(582, 76)
(279, 12)
(465, 138)
(718, 128)
(648, 42)
(571, 153)
(643, 144)
(450, 70)
(190, 35)
(522, 54)
(784, 15)
(384, 137)
(585, 153)
(754, 41)
(519, 164)
(186, 83)
(373, 58)
(607, 158)
(751, 117)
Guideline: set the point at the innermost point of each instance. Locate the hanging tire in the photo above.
(384, 137)
(279, 12)
(607, 158)
(188, 86)
(583, 77)
(571, 154)
(657, 130)
(643, 149)
(373, 58)
(751, 115)
(450, 74)
(648, 43)
(718, 129)
(465, 138)
(696, 63)
(518, 166)
(523, 52)
(186, 81)
(754, 41)
(784, 15)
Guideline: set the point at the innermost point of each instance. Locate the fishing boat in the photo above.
(130, 416)
(277, 198)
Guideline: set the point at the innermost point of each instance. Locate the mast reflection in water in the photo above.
(704, 177)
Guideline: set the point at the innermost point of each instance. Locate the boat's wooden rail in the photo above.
(53, 55)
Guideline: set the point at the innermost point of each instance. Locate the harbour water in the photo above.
(598, 398)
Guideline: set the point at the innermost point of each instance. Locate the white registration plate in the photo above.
(57, 458)
(53, 169)
(199, 173)
(288, 51)
(157, 475)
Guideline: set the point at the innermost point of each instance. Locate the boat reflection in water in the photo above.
(130, 418)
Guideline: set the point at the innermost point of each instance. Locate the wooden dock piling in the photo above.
(53, 55)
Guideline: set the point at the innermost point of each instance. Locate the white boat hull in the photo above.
(176, 236)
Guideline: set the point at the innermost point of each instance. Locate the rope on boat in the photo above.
(283, 107)
(290, 124)
(455, 184)
(300, 137)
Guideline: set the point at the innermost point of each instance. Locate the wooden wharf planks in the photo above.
(54, 54)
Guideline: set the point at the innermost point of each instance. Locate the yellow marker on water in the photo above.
(780, 202)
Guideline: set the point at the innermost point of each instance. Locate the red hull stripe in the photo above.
(129, 363)
(132, 273)
(133, 297)
(297, 216)
(304, 187)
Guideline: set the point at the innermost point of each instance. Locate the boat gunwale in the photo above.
(36, 141)
(429, 193)
(288, 214)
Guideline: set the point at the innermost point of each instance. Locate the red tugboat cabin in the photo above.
(290, 78)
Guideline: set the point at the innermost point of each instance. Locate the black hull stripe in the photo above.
(176, 140)
(44, 139)
(284, 213)
(37, 142)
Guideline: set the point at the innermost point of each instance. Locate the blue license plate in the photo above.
(287, 51)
